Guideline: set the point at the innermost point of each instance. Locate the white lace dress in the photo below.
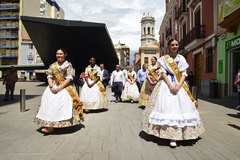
(130, 91)
(56, 110)
(92, 98)
(172, 116)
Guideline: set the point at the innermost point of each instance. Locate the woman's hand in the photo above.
(175, 89)
(90, 85)
(56, 90)
(154, 82)
(53, 90)
(171, 88)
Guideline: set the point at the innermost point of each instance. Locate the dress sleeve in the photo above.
(86, 72)
(183, 65)
(49, 72)
(126, 75)
(162, 70)
(162, 63)
(184, 73)
(98, 72)
(134, 75)
(69, 73)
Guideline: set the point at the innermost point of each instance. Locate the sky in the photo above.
(122, 17)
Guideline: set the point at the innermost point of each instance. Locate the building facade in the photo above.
(194, 24)
(16, 47)
(136, 61)
(149, 46)
(123, 53)
(228, 46)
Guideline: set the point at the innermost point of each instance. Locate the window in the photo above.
(30, 61)
(30, 46)
(148, 30)
(197, 16)
(42, 13)
(38, 59)
(209, 60)
(184, 30)
(30, 55)
(146, 60)
(58, 14)
(176, 12)
(170, 23)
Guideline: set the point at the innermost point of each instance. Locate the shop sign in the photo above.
(220, 66)
(233, 43)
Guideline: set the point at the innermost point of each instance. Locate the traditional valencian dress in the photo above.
(63, 109)
(130, 91)
(147, 87)
(171, 116)
(95, 97)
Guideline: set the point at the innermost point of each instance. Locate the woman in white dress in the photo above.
(130, 91)
(93, 93)
(172, 112)
(60, 105)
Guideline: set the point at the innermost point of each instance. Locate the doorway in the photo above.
(197, 70)
(234, 62)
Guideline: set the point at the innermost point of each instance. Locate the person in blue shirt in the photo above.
(141, 76)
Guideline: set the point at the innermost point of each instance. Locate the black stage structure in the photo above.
(82, 40)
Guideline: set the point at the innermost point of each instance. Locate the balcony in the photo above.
(9, 36)
(182, 44)
(9, 17)
(182, 11)
(9, 46)
(168, 32)
(195, 37)
(8, 55)
(10, 27)
(9, 7)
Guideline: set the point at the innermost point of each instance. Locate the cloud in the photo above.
(122, 17)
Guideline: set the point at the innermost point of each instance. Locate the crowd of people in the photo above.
(170, 109)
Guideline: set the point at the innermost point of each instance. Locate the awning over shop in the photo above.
(82, 40)
(229, 15)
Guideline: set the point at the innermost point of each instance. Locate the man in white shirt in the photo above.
(117, 82)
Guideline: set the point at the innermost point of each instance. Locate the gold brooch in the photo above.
(170, 60)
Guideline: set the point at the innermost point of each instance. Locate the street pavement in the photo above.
(113, 134)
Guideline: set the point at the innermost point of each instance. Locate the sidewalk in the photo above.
(113, 134)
